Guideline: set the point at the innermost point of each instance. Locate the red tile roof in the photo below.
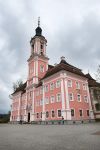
(63, 65)
(92, 82)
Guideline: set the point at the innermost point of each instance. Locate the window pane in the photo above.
(87, 112)
(53, 113)
(80, 111)
(59, 113)
(72, 112)
(47, 114)
(69, 83)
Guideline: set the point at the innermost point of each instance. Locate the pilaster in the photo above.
(68, 111)
(63, 99)
(90, 105)
(33, 109)
(43, 108)
(19, 108)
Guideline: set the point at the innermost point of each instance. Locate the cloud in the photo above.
(71, 28)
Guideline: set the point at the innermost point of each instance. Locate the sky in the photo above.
(71, 27)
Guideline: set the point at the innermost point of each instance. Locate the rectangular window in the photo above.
(72, 112)
(87, 112)
(69, 83)
(81, 113)
(59, 97)
(59, 113)
(52, 86)
(46, 100)
(41, 114)
(37, 115)
(85, 98)
(47, 114)
(71, 97)
(58, 84)
(46, 88)
(78, 97)
(41, 68)
(84, 87)
(77, 85)
(52, 99)
(53, 113)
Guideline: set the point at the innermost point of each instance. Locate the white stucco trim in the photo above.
(68, 111)
(43, 106)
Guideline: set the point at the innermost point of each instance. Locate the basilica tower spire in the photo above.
(38, 61)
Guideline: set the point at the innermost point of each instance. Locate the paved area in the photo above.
(46, 137)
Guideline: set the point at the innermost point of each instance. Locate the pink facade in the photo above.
(51, 92)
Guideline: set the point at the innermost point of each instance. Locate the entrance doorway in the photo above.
(28, 117)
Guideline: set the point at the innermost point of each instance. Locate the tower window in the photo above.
(42, 68)
(33, 46)
(41, 46)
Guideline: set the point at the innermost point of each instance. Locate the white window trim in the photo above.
(78, 85)
(41, 68)
(70, 82)
(57, 113)
(54, 113)
(57, 97)
(41, 102)
(54, 99)
(46, 89)
(45, 100)
(86, 112)
(80, 97)
(72, 96)
(50, 86)
(74, 112)
(82, 113)
(84, 87)
(57, 84)
(85, 100)
(48, 113)
(36, 115)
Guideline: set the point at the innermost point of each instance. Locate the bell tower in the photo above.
(38, 61)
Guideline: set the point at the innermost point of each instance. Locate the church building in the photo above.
(51, 93)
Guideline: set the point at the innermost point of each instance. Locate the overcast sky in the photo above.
(71, 27)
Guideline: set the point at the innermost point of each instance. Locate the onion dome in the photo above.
(38, 30)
